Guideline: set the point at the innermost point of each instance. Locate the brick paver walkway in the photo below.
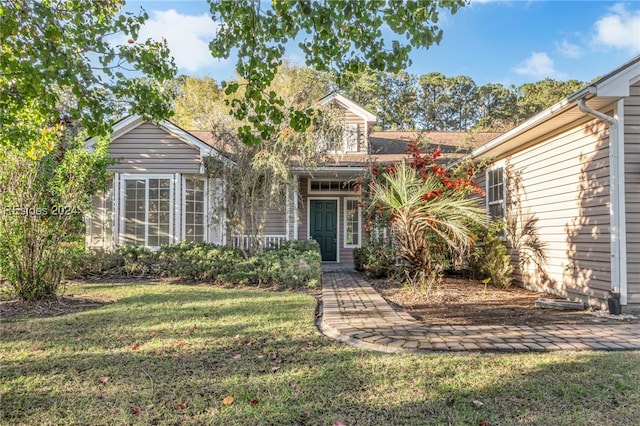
(353, 312)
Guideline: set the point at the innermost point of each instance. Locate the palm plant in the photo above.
(427, 216)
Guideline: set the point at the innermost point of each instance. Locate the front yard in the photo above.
(186, 354)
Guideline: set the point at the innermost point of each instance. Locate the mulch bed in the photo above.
(460, 301)
(13, 310)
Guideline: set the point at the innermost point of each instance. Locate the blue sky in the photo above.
(491, 41)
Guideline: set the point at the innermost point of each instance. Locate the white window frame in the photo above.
(345, 191)
(503, 201)
(205, 218)
(350, 129)
(346, 222)
(172, 181)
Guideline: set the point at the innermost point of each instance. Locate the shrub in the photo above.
(429, 209)
(376, 260)
(43, 194)
(296, 264)
(489, 259)
(196, 261)
(95, 263)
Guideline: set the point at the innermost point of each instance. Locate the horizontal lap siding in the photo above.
(150, 149)
(563, 183)
(276, 223)
(632, 190)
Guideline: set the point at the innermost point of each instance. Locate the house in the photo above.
(568, 183)
(160, 194)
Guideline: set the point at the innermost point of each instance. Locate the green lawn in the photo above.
(170, 354)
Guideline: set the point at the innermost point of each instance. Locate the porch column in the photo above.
(296, 196)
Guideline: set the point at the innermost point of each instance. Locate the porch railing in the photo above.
(269, 242)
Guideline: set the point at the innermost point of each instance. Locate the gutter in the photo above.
(617, 197)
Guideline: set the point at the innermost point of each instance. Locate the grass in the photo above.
(169, 354)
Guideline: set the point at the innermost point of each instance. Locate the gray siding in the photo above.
(632, 190)
(150, 149)
(276, 221)
(561, 186)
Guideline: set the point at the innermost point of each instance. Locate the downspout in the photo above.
(616, 212)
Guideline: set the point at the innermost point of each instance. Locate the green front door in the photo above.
(323, 221)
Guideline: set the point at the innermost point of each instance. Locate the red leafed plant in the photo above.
(429, 209)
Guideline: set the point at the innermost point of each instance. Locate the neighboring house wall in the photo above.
(558, 195)
(632, 190)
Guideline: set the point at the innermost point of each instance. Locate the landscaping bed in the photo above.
(461, 301)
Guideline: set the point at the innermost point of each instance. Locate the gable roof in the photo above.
(131, 122)
(350, 105)
(601, 93)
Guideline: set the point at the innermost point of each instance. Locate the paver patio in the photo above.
(354, 313)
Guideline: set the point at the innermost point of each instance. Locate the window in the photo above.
(194, 209)
(147, 211)
(134, 212)
(331, 186)
(339, 141)
(495, 192)
(100, 220)
(351, 137)
(352, 222)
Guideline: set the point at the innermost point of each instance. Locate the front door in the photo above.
(323, 221)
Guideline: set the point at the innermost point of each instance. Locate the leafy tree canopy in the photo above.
(335, 36)
(62, 78)
(55, 47)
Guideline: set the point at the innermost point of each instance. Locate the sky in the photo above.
(491, 41)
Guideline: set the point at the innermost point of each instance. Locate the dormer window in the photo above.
(350, 137)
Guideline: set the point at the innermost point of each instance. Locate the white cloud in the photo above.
(568, 49)
(187, 36)
(620, 29)
(538, 65)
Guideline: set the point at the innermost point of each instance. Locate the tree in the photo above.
(53, 47)
(399, 102)
(366, 89)
(497, 107)
(336, 36)
(535, 97)
(428, 209)
(197, 104)
(463, 108)
(256, 183)
(434, 101)
(62, 79)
